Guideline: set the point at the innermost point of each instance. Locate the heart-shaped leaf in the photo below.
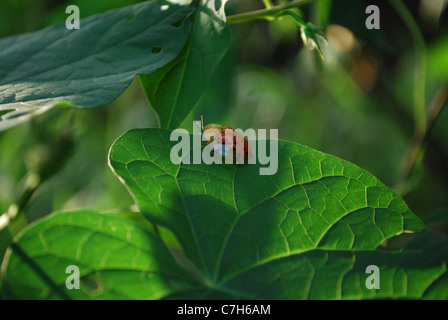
(245, 232)
(89, 67)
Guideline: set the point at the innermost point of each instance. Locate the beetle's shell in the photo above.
(224, 144)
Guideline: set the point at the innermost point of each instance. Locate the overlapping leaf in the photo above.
(117, 259)
(89, 67)
(175, 89)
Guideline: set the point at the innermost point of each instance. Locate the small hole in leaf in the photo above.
(130, 17)
(156, 49)
(178, 23)
(91, 286)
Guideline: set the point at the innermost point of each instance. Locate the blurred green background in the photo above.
(357, 104)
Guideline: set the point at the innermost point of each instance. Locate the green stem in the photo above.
(295, 17)
(422, 123)
(321, 13)
(419, 138)
(267, 13)
(15, 210)
(420, 66)
(268, 4)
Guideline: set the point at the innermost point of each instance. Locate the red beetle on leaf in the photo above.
(242, 150)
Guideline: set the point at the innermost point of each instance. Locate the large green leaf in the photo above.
(244, 230)
(89, 67)
(117, 259)
(174, 89)
(309, 231)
